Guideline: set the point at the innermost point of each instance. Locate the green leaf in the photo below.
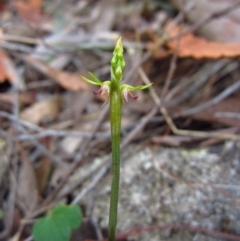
(58, 223)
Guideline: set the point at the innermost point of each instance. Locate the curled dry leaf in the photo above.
(196, 47)
(41, 110)
(70, 81)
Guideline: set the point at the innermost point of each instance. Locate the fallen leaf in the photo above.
(23, 98)
(197, 47)
(42, 172)
(27, 186)
(8, 71)
(3, 6)
(29, 3)
(41, 110)
(70, 144)
(70, 81)
(35, 3)
(17, 217)
(30, 11)
(57, 175)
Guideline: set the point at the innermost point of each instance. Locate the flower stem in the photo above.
(115, 119)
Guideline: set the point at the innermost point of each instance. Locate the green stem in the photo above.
(115, 118)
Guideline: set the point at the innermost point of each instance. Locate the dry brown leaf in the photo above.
(27, 186)
(70, 81)
(30, 11)
(70, 144)
(29, 3)
(41, 110)
(198, 48)
(23, 98)
(42, 172)
(35, 3)
(58, 174)
(3, 6)
(7, 69)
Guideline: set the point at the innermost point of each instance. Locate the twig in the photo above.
(21, 39)
(232, 115)
(60, 133)
(17, 122)
(175, 130)
(16, 47)
(47, 132)
(199, 79)
(94, 181)
(78, 158)
(172, 65)
(227, 92)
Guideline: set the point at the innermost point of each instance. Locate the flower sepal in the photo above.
(127, 89)
(94, 81)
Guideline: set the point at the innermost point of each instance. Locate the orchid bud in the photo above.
(117, 62)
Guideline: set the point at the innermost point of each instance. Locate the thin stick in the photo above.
(175, 130)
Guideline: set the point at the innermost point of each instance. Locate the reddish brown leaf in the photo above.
(198, 48)
(30, 11)
(35, 3)
(70, 81)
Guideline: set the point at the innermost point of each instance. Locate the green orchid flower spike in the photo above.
(117, 93)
